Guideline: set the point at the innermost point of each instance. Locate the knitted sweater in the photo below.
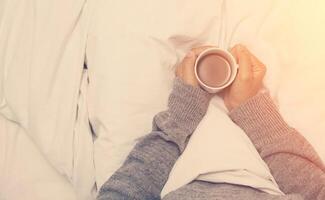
(293, 162)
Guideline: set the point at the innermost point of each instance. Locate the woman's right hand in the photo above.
(185, 70)
(249, 79)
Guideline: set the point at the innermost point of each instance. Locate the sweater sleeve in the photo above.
(147, 167)
(292, 160)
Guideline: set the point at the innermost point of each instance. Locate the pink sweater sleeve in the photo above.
(292, 160)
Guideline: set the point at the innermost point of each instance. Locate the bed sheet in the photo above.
(295, 32)
(24, 172)
(42, 53)
(123, 35)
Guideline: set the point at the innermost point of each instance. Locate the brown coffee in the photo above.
(213, 70)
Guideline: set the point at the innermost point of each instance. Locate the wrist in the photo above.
(260, 119)
(187, 102)
(233, 103)
(187, 105)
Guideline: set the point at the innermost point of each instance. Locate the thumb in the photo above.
(188, 68)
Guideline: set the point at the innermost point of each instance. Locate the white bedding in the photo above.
(42, 50)
(295, 29)
(143, 40)
(24, 173)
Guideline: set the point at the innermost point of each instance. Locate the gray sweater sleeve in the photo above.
(147, 167)
(292, 160)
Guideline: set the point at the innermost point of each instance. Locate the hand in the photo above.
(185, 70)
(249, 79)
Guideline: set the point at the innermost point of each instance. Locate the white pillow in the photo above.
(220, 152)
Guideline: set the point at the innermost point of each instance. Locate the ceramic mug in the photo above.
(230, 63)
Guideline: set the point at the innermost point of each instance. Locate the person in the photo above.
(293, 162)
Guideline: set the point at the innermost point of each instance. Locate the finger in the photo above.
(257, 64)
(188, 67)
(178, 70)
(190, 58)
(255, 60)
(186, 71)
(259, 69)
(244, 62)
(235, 49)
(198, 50)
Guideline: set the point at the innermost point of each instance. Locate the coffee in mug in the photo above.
(215, 69)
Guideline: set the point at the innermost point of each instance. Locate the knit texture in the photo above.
(293, 162)
(186, 108)
(146, 169)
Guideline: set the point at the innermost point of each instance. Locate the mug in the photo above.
(229, 61)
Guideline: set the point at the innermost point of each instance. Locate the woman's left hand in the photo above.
(249, 79)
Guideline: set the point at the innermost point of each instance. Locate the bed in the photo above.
(131, 49)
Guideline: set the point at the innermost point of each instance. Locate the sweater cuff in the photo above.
(187, 106)
(261, 120)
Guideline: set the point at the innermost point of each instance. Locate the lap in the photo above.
(200, 190)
